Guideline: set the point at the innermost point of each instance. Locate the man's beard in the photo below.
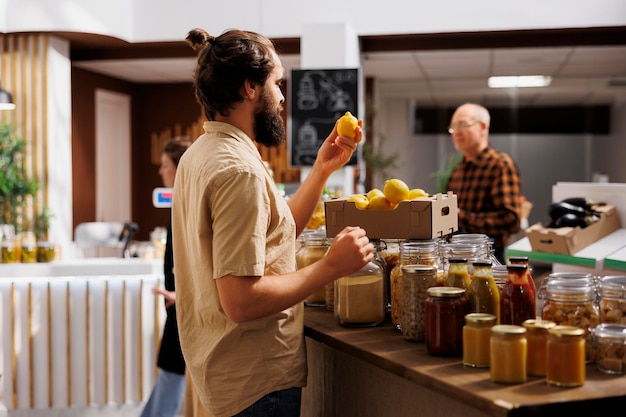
(268, 124)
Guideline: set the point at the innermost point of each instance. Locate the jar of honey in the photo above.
(508, 350)
(446, 308)
(537, 339)
(476, 337)
(566, 356)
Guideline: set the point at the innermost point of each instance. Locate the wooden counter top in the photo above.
(386, 349)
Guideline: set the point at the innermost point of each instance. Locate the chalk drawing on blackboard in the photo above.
(319, 97)
(330, 92)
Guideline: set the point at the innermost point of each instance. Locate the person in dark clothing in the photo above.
(167, 395)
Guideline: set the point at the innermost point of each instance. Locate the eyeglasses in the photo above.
(462, 125)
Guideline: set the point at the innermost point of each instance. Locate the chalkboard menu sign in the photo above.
(318, 98)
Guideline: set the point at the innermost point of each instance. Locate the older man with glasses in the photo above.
(487, 182)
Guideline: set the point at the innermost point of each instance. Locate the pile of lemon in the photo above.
(394, 191)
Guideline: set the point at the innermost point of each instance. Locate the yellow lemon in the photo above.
(347, 125)
(380, 202)
(360, 201)
(417, 193)
(374, 192)
(396, 190)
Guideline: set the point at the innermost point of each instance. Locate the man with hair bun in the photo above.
(239, 295)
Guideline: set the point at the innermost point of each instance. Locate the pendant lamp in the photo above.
(6, 100)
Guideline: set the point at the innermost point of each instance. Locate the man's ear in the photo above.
(249, 90)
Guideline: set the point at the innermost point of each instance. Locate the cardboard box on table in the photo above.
(569, 240)
(422, 218)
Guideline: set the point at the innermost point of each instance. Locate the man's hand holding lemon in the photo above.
(339, 146)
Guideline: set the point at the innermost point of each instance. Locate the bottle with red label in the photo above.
(517, 303)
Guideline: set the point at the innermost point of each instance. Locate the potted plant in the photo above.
(15, 184)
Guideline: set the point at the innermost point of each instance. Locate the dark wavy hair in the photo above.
(225, 63)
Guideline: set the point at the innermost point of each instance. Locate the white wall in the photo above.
(163, 20)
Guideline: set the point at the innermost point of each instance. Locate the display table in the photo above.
(375, 372)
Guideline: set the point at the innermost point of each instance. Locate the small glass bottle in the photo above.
(523, 260)
(457, 273)
(360, 298)
(416, 280)
(446, 308)
(537, 339)
(483, 295)
(508, 350)
(517, 302)
(313, 249)
(566, 356)
(610, 343)
(476, 336)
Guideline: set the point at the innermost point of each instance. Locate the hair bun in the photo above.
(198, 39)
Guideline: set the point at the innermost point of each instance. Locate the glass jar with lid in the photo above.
(556, 276)
(446, 308)
(508, 350)
(476, 338)
(359, 299)
(481, 241)
(537, 341)
(610, 346)
(566, 356)
(411, 252)
(314, 247)
(612, 299)
(416, 280)
(571, 302)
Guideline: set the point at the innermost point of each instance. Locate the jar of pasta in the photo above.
(612, 299)
(610, 345)
(572, 302)
(360, 298)
(314, 248)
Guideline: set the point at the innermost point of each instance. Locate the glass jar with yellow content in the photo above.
(508, 350)
(566, 356)
(359, 299)
(476, 338)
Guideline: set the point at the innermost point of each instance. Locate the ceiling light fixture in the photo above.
(6, 100)
(519, 81)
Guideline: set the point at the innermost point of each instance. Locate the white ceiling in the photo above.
(581, 74)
